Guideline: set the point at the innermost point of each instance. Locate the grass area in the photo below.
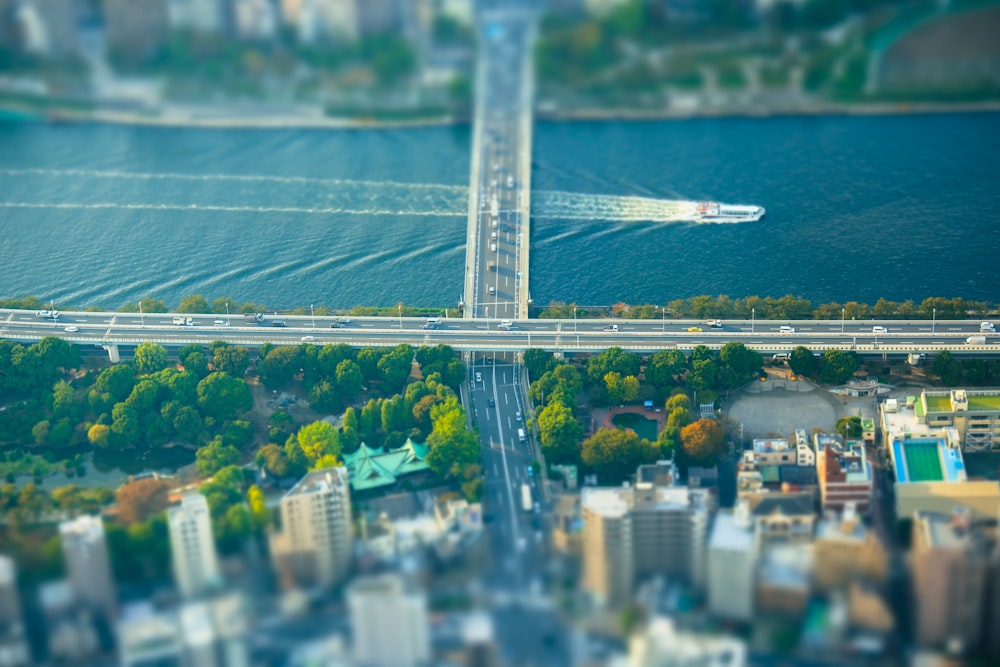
(923, 463)
(645, 428)
(978, 401)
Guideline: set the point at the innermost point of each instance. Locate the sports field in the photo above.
(923, 463)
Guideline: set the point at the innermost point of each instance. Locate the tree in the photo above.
(451, 444)
(41, 432)
(664, 366)
(738, 364)
(612, 360)
(947, 368)
(221, 396)
(703, 440)
(349, 379)
(702, 375)
(803, 362)
(678, 401)
(215, 456)
(117, 381)
(615, 454)
(194, 303)
(150, 357)
(98, 435)
(537, 361)
(150, 305)
(274, 460)
(837, 366)
(279, 366)
(849, 427)
(258, 507)
(396, 366)
(318, 439)
(125, 425)
(560, 433)
(141, 499)
(231, 359)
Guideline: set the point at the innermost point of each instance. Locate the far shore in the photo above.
(173, 119)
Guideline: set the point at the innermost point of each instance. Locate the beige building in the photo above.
(974, 413)
(88, 566)
(315, 544)
(847, 551)
(954, 562)
(192, 547)
(634, 532)
(389, 623)
(782, 518)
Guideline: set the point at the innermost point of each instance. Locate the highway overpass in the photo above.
(483, 335)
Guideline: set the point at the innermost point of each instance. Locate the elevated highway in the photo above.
(483, 335)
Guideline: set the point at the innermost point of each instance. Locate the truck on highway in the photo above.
(253, 318)
(183, 321)
(521, 436)
(975, 340)
(526, 504)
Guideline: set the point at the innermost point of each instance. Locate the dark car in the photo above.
(492, 403)
(278, 323)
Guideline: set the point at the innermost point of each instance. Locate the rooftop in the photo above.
(616, 501)
(729, 534)
(953, 531)
(765, 446)
(974, 400)
(320, 481)
(83, 527)
(927, 459)
(789, 504)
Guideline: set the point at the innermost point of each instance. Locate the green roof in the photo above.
(370, 468)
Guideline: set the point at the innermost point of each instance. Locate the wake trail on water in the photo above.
(377, 198)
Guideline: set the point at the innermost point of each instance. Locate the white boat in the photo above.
(711, 211)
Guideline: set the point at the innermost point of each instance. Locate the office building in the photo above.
(192, 547)
(928, 466)
(88, 566)
(315, 544)
(782, 518)
(635, 532)
(732, 560)
(844, 473)
(388, 623)
(955, 560)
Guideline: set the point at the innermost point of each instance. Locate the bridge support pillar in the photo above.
(113, 353)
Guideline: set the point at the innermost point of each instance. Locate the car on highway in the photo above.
(71, 329)
(220, 323)
(879, 330)
(695, 329)
(612, 328)
(336, 325)
(491, 403)
(715, 324)
(479, 377)
(48, 314)
(517, 415)
(308, 338)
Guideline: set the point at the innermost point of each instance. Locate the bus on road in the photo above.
(526, 503)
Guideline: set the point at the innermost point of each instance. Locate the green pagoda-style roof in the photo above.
(371, 468)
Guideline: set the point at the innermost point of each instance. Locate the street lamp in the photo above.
(574, 319)
(227, 312)
(933, 319)
(843, 315)
(312, 314)
(753, 318)
(399, 306)
(663, 312)
(487, 318)
(142, 318)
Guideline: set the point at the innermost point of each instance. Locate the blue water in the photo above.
(857, 208)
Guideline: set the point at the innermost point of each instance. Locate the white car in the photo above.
(879, 330)
(307, 339)
(71, 329)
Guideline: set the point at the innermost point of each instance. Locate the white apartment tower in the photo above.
(388, 623)
(192, 548)
(87, 564)
(316, 527)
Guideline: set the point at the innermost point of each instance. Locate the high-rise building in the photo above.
(954, 561)
(732, 560)
(196, 566)
(87, 563)
(388, 623)
(634, 532)
(13, 642)
(315, 543)
(135, 29)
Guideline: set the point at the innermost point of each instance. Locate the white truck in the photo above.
(526, 504)
(975, 340)
(987, 327)
(182, 321)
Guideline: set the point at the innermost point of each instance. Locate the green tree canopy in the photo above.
(194, 303)
(560, 433)
(703, 440)
(150, 358)
(615, 453)
(318, 439)
(803, 362)
(837, 366)
(664, 366)
(612, 360)
(231, 359)
(222, 396)
(215, 456)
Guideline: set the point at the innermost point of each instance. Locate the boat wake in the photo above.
(285, 195)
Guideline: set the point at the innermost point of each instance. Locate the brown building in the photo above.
(844, 473)
(954, 562)
(847, 551)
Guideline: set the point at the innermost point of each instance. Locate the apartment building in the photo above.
(192, 547)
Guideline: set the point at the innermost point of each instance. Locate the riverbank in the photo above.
(209, 118)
